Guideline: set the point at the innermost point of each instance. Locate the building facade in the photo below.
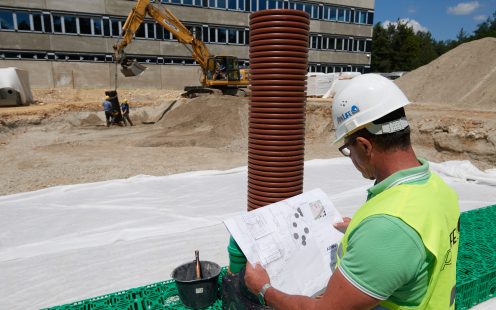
(69, 43)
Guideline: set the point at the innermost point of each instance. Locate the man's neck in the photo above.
(391, 162)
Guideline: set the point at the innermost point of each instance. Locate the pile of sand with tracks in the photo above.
(466, 75)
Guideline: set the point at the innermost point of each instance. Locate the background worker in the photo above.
(107, 108)
(125, 112)
(399, 250)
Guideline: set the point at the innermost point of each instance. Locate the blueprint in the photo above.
(293, 239)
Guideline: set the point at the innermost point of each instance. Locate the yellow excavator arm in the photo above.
(164, 17)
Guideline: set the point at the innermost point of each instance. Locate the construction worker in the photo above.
(399, 250)
(107, 108)
(125, 112)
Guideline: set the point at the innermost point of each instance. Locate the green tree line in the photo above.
(399, 48)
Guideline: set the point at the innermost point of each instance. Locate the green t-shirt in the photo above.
(385, 257)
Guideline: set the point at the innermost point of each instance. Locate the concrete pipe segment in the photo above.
(276, 134)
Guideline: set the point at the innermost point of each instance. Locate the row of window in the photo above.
(316, 11)
(91, 57)
(326, 42)
(112, 27)
(333, 68)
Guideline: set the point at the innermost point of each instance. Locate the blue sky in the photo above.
(443, 18)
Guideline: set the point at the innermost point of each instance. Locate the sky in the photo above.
(443, 18)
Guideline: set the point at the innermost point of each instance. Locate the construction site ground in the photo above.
(62, 138)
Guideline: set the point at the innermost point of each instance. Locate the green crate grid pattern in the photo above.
(475, 274)
(476, 266)
(161, 295)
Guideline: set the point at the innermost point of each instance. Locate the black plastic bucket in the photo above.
(194, 293)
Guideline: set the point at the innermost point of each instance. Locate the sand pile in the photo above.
(465, 75)
(209, 121)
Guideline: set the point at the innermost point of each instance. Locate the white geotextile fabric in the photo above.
(466, 171)
(69, 243)
(17, 79)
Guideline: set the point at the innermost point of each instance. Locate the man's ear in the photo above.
(365, 146)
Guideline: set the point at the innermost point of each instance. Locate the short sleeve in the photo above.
(383, 254)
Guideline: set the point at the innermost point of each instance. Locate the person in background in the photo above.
(107, 108)
(125, 112)
(399, 250)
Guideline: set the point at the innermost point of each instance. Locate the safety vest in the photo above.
(432, 210)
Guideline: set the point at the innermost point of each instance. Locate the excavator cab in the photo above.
(222, 68)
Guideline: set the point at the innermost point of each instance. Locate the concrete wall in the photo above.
(50, 74)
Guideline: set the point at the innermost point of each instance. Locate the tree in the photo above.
(487, 28)
(462, 36)
(398, 47)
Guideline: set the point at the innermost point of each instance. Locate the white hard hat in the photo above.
(365, 99)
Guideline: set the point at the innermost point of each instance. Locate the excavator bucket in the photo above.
(131, 67)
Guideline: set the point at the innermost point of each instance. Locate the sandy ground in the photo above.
(62, 139)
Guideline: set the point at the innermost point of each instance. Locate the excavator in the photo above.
(220, 74)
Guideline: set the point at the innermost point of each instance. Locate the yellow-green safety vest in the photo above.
(432, 210)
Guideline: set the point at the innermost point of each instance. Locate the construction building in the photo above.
(69, 43)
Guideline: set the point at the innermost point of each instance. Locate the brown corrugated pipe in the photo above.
(276, 134)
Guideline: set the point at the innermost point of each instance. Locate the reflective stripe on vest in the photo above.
(431, 209)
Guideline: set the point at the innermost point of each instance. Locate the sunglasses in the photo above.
(345, 150)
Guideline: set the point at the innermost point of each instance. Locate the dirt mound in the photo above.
(209, 121)
(465, 75)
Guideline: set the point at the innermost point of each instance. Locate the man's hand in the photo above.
(343, 225)
(255, 277)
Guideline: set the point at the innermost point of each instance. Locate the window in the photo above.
(333, 15)
(57, 24)
(70, 24)
(241, 36)
(6, 20)
(341, 15)
(254, 5)
(332, 43)
(205, 34)
(242, 5)
(211, 3)
(141, 32)
(339, 44)
(197, 3)
(232, 33)
(213, 36)
(160, 32)
(85, 25)
(368, 46)
(116, 27)
(176, 1)
(47, 22)
(151, 30)
(188, 2)
(261, 4)
(360, 17)
(106, 27)
(221, 35)
(221, 4)
(361, 45)
(232, 4)
(370, 18)
(37, 22)
(23, 22)
(97, 26)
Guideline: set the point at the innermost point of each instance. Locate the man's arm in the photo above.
(339, 294)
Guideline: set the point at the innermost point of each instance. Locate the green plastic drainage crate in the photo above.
(476, 267)
(475, 274)
(161, 295)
